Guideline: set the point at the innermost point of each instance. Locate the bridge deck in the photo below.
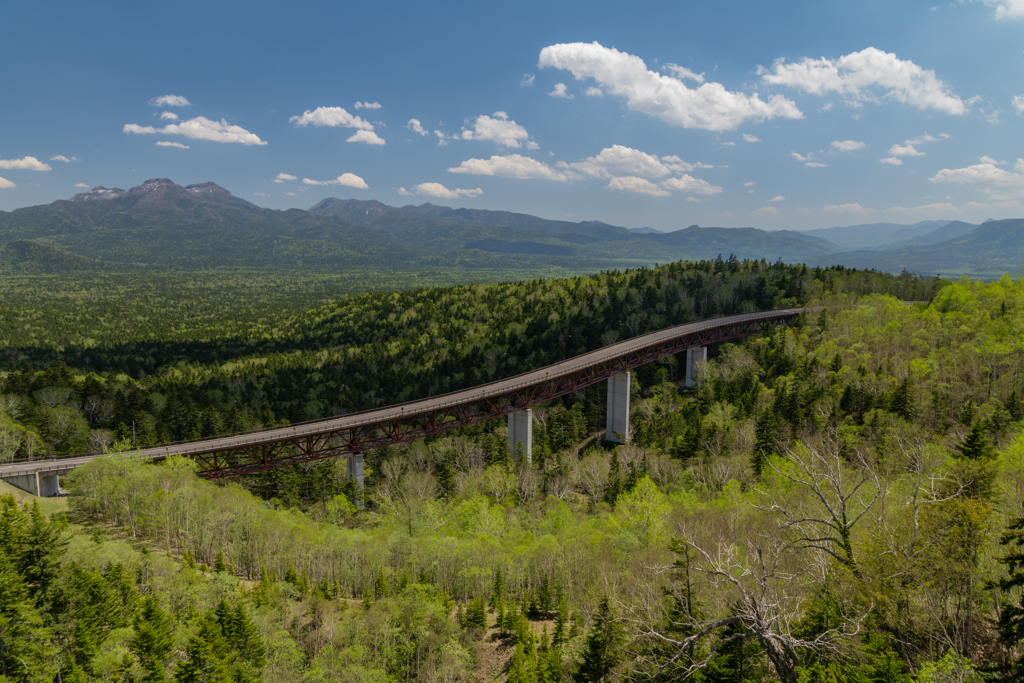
(493, 392)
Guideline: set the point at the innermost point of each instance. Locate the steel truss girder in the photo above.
(331, 443)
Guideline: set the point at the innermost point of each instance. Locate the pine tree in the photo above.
(975, 445)
(544, 598)
(603, 647)
(220, 565)
(1011, 616)
(153, 640)
(837, 363)
(903, 401)
(201, 664)
(560, 635)
(498, 589)
(519, 669)
(1014, 406)
(26, 646)
(476, 614)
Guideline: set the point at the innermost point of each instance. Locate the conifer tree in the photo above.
(26, 649)
(1011, 616)
(602, 651)
(561, 635)
(153, 640)
(975, 445)
(544, 597)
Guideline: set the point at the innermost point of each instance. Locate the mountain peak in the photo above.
(97, 193)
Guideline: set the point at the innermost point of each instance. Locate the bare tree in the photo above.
(592, 475)
(11, 404)
(99, 440)
(757, 584)
(834, 487)
(53, 396)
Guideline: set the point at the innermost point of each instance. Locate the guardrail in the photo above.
(433, 404)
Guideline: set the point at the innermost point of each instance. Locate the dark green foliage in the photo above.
(603, 649)
(476, 613)
(1011, 616)
(903, 401)
(153, 640)
(975, 446)
(26, 650)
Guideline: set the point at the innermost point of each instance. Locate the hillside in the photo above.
(24, 257)
(163, 225)
(987, 251)
(874, 235)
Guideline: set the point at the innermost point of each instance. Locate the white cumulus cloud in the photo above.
(847, 145)
(751, 138)
(989, 160)
(170, 101)
(619, 160)
(688, 183)
(892, 161)
(766, 211)
(367, 105)
(860, 76)
(165, 143)
(81, 185)
(61, 157)
(345, 180)
(845, 208)
(905, 151)
(6, 184)
(992, 179)
(681, 72)
(511, 166)
(1018, 103)
(527, 80)
(332, 117)
(499, 128)
(593, 92)
(201, 128)
(367, 136)
(442, 192)
(284, 176)
(807, 159)
(416, 127)
(25, 164)
(168, 116)
(560, 91)
(709, 106)
(637, 186)
(777, 198)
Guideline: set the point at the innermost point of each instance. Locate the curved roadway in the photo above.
(398, 411)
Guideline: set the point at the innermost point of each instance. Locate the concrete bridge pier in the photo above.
(617, 424)
(355, 470)
(42, 484)
(695, 356)
(520, 431)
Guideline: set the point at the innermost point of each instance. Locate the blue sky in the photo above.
(772, 115)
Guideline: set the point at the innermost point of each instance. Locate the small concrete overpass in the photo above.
(513, 397)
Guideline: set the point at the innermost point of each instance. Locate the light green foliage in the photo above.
(643, 511)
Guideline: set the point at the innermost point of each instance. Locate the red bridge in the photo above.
(357, 432)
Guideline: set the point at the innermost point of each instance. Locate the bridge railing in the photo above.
(463, 395)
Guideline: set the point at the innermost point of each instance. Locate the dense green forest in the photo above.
(838, 501)
(186, 357)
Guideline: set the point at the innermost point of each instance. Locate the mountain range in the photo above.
(160, 224)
